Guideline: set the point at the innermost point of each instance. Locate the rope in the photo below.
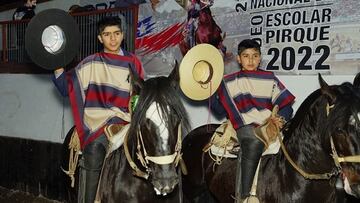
(209, 110)
(74, 146)
(298, 169)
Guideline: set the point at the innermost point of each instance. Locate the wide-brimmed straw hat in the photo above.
(201, 71)
(52, 39)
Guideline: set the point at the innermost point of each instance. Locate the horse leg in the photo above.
(204, 197)
(183, 47)
(194, 185)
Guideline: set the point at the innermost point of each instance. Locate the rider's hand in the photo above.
(59, 70)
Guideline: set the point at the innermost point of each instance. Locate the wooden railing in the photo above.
(13, 34)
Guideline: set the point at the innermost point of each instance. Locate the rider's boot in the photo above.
(238, 179)
(251, 150)
(93, 154)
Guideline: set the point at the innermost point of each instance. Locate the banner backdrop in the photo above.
(304, 36)
(160, 30)
(298, 37)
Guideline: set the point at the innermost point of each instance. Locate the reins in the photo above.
(136, 171)
(314, 176)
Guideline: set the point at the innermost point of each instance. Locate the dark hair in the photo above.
(248, 44)
(108, 21)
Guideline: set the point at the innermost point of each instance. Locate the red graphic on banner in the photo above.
(168, 37)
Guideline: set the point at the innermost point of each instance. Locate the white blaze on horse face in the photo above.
(155, 115)
(353, 120)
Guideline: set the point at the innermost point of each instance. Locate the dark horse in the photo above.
(329, 113)
(154, 137)
(207, 31)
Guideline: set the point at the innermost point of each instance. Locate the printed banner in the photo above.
(160, 30)
(297, 36)
(304, 36)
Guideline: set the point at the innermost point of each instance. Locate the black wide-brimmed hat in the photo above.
(52, 39)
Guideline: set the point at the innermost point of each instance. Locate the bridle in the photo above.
(337, 159)
(342, 159)
(144, 158)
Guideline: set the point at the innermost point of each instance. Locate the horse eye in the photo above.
(339, 131)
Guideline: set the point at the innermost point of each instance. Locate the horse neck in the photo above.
(305, 146)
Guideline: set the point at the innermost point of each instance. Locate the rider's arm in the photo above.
(286, 112)
(216, 105)
(60, 81)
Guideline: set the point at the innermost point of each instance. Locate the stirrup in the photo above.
(250, 199)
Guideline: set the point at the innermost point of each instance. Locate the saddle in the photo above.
(115, 133)
(224, 142)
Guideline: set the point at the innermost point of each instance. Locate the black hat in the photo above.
(52, 39)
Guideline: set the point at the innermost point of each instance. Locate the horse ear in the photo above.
(326, 90)
(356, 82)
(174, 75)
(136, 82)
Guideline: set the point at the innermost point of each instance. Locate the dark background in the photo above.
(10, 4)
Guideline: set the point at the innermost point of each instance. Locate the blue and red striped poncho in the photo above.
(248, 97)
(99, 89)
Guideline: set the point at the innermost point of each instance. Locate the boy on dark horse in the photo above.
(248, 98)
(99, 91)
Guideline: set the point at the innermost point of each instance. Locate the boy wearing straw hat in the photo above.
(248, 98)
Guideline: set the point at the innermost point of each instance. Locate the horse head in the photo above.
(156, 127)
(343, 126)
(344, 131)
(328, 122)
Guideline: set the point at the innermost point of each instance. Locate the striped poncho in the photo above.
(99, 91)
(248, 97)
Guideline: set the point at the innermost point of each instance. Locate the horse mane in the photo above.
(301, 118)
(165, 93)
(314, 102)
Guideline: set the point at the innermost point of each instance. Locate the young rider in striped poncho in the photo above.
(247, 97)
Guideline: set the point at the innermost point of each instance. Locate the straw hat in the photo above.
(201, 71)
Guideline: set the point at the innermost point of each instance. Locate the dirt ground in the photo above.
(13, 196)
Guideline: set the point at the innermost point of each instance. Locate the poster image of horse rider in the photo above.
(202, 28)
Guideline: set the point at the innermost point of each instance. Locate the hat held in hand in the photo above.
(52, 39)
(201, 71)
